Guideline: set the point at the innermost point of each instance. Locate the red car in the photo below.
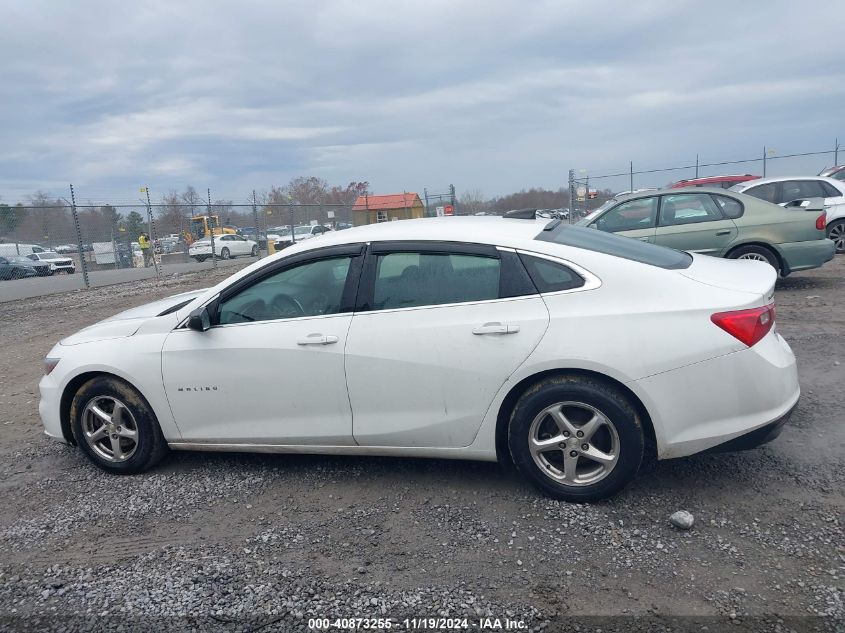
(725, 182)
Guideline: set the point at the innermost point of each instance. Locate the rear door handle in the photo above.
(723, 232)
(317, 339)
(496, 328)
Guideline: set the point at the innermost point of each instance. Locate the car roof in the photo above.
(763, 181)
(672, 192)
(477, 229)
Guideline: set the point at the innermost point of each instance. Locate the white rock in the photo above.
(682, 520)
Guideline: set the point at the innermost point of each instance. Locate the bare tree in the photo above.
(472, 202)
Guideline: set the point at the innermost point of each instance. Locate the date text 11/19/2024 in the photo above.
(418, 624)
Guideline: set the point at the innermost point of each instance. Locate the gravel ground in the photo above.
(261, 542)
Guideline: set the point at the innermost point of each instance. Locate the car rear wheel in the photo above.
(836, 232)
(576, 438)
(115, 427)
(16, 274)
(200, 259)
(757, 253)
(224, 254)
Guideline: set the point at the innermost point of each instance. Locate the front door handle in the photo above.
(644, 239)
(317, 339)
(496, 328)
(723, 232)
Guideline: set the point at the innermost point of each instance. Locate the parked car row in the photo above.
(35, 265)
(719, 222)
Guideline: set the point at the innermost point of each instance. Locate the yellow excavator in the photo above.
(204, 226)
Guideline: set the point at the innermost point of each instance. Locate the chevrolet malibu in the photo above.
(564, 349)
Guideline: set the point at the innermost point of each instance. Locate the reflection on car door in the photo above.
(694, 222)
(270, 369)
(439, 332)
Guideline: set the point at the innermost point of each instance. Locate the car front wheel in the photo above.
(115, 426)
(836, 232)
(255, 251)
(577, 439)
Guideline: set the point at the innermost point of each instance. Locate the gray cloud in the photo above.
(494, 95)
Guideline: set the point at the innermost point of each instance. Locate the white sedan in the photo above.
(562, 348)
(225, 247)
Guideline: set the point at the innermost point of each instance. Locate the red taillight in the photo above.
(749, 326)
(821, 221)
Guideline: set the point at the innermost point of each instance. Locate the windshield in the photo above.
(616, 245)
(302, 230)
(48, 255)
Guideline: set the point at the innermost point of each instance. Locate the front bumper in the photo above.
(48, 408)
(806, 255)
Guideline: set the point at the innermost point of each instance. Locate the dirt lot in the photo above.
(222, 542)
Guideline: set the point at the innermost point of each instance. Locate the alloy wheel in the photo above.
(837, 234)
(110, 429)
(757, 257)
(574, 443)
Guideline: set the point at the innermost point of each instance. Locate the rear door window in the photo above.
(413, 279)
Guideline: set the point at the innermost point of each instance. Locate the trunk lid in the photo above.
(740, 275)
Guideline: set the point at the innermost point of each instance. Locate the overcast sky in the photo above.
(489, 95)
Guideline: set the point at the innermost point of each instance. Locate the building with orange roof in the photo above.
(371, 209)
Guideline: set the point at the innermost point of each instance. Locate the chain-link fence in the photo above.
(108, 243)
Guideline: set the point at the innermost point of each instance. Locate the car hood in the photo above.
(127, 323)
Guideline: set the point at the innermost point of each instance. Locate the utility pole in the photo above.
(211, 227)
(292, 234)
(696, 165)
(255, 221)
(454, 201)
(632, 175)
(836, 153)
(79, 238)
(425, 195)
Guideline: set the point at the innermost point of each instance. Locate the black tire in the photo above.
(255, 251)
(836, 232)
(200, 259)
(755, 252)
(224, 254)
(150, 445)
(594, 394)
(16, 274)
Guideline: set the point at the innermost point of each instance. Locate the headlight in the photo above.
(50, 365)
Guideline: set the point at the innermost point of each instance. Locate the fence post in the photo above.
(211, 228)
(255, 221)
(151, 225)
(79, 238)
(292, 235)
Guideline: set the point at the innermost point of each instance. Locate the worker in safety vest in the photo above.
(144, 243)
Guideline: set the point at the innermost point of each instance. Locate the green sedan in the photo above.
(719, 223)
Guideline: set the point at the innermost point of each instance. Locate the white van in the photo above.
(13, 249)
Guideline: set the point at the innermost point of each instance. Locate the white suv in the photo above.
(786, 189)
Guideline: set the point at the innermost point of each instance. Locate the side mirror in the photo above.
(199, 320)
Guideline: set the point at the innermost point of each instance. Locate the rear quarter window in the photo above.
(617, 246)
(549, 276)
